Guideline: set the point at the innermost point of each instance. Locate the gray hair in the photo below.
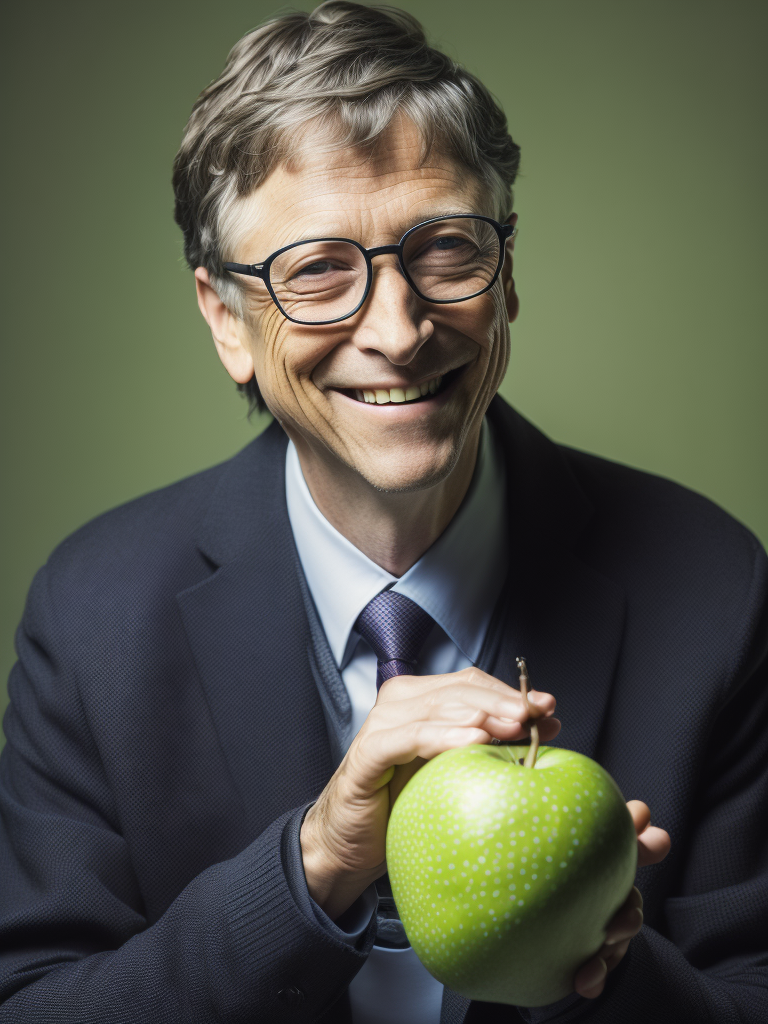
(351, 69)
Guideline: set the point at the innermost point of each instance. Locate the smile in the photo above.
(413, 393)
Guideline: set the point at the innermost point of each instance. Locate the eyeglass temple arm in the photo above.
(508, 231)
(251, 269)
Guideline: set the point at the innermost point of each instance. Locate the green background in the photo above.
(641, 261)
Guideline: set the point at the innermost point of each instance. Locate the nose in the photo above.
(393, 320)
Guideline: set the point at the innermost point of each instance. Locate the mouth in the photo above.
(404, 395)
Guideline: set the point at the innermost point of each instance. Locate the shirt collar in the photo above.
(457, 580)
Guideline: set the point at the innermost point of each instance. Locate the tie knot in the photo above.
(395, 628)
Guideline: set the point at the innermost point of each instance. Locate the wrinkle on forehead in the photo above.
(379, 190)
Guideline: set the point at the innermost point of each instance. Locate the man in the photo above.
(223, 686)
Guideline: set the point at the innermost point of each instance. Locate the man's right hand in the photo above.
(415, 718)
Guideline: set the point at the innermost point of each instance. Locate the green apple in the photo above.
(506, 876)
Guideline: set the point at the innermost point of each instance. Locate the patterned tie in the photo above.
(395, 628)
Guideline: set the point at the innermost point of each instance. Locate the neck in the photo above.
(393, 529)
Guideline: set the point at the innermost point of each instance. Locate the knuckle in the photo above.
(461, 693)
(388, 690)
(475, 676)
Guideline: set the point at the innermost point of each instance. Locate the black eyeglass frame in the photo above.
(261, 270)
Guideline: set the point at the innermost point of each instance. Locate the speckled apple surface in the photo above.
(506, 876)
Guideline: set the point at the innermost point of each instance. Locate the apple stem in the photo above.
(530, 757)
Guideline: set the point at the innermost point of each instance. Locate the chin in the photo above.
(403, 469)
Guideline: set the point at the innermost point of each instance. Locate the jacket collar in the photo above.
(565, 617)
(248, 503)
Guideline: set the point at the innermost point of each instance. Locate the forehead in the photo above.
(373, 195)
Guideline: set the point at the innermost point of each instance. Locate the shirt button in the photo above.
(293, 996)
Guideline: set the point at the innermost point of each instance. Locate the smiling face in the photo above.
(319, 381)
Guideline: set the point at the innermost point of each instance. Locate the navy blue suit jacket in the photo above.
(165, 735)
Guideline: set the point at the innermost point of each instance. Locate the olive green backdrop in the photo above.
(641, 260)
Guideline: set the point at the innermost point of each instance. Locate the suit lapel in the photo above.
(563, 616)
(567, 623)
(247, 627)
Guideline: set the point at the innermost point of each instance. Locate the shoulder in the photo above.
(105, 599)
(128, 564)
(146, 535)
(676, 552)
(648, 511)
(129, 561)
(630, 515)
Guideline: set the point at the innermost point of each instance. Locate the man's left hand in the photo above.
(652, 846)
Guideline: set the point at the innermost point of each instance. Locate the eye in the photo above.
(447, 242)
(320, 267)
(455, 246)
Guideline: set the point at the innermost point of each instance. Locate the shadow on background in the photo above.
(641, 261)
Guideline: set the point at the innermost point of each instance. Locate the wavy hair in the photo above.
(350, 68)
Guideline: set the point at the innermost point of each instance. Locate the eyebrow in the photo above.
(427, 215)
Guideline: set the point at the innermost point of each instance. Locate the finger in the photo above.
(634, 899)
(505, 728)
(613, 955)
(500, 703)
(381, 748)
(457, 686)
(401, 776)
(403, 715)
(653, 845)
(399, 687)
(590, 979)
(548, 729)
(624, 925)
(641, 814)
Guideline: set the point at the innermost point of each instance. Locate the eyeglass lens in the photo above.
(448, 260)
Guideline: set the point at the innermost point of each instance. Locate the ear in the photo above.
(508, 282)
(229, 333)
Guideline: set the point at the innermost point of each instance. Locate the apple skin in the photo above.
(504, 876)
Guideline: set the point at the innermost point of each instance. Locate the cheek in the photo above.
(483, 320)
(271, 349)
(285, 356)
(488, 326)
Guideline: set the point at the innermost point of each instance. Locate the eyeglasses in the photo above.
(325, 280)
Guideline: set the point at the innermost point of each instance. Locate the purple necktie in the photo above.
(395, 628)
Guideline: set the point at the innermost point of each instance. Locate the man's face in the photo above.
(312, 378)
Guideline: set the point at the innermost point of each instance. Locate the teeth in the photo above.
(382, 397)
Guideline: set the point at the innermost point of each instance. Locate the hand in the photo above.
(414, 719)
(652, 847)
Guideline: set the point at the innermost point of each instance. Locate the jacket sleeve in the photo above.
(236, 944)
(708, 961)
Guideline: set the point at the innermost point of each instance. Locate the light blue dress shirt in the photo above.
(458, 581)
